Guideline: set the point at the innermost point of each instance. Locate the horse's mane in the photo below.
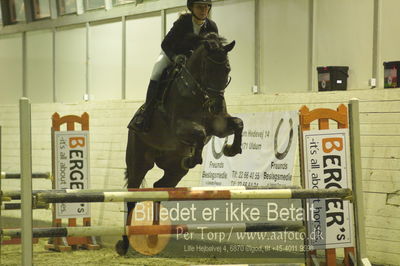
(194, 40)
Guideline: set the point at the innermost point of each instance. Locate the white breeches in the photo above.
(162, 63)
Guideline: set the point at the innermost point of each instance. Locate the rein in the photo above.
(204, 71)
(190, 82)
(190, 86)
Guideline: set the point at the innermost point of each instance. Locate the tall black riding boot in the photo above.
(143, 122)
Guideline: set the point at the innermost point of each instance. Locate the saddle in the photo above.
(166, 80)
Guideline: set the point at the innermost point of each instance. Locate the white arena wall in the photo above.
(380, 140)
(279, 45)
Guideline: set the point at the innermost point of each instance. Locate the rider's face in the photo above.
(201, 10)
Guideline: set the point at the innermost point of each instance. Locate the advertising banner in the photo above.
(327, 165)
(268, 152)
(72, 169)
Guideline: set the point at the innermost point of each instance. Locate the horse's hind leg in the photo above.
(173, 173)
(137, 165)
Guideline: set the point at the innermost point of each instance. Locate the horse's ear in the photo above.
(229, 47)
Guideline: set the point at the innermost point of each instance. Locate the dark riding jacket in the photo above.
(173, 43)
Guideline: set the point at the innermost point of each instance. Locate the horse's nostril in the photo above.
(212, 109)
(219, 124)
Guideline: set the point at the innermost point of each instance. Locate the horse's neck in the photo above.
(180, 102)
(176, 102)
(194, 64)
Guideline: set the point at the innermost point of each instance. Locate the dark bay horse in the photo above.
(192, 110)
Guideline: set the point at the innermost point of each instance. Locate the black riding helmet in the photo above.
(190, 3)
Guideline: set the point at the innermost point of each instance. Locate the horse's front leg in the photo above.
(192, 134)
(234, 124)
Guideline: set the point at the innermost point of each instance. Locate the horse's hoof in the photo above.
(231, 151)
(121, 247)
(187, 163)
(184, 164)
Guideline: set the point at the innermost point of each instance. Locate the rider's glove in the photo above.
(179, 59)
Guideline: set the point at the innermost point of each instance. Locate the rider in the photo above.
(197, 22)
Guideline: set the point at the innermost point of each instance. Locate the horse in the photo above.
(191, 110)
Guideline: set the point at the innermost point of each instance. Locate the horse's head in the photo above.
(209, 63)
(209, 66)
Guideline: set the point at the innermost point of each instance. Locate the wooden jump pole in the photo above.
(16, 194)
(177, 195)
(156, 229)
(4, 175)
(17, 206)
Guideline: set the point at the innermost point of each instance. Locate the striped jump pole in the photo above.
(16, 194)
(183, 195)
(256, 264)
(155, 229)
(5, 175)
(17, 206)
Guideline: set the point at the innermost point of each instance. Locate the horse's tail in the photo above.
(126, 177)
(142, 185)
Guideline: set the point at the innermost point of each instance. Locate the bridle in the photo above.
(204, 70)
(201, 87)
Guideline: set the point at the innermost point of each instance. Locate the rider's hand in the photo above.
(180, 59)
